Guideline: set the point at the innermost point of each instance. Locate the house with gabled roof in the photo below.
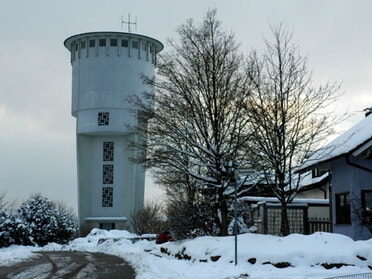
(348, 159)
(308, 212)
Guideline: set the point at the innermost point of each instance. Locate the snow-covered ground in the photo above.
(306, 256)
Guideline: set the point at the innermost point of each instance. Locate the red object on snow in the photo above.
(163, 237)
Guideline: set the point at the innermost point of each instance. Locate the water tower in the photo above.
(107, 68)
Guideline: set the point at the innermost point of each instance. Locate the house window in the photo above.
(108, 174)
(343, 208)
(103, 118)
(107, 196)
(108, 151)
(83, 44)
(367, 199)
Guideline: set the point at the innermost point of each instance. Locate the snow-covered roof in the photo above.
(275, 200)
(306, 179)
(347, 142)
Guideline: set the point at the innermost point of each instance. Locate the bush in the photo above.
(149, 219)
(7, 229)
(188, 218)
(38, 221)
(67, 224)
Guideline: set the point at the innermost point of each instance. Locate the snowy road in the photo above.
(68, 265)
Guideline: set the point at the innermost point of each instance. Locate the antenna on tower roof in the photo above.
(129, 23)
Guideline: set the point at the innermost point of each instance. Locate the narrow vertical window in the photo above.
(343, 208)
(103, 118)
(108, 151)
(108, 174)
(107, 196)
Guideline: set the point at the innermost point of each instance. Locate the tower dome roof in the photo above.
(69, 41)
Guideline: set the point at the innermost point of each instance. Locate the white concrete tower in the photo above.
(107, 68)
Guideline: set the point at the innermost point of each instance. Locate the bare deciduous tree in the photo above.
(198, 123)
(4, 203)
(286, 114)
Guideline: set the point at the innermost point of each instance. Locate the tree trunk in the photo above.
(224, 215)
(284, 226)
(222, 212)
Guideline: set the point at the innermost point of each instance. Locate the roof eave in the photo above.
(353, 151)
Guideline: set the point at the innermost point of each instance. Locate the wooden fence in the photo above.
(298, 221)
(319, 225)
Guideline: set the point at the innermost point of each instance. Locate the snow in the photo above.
(304, 253)
(15, 253)
(345, 143)
(307, 179)
(275, 200)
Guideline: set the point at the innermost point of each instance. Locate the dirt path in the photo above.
(69, 265)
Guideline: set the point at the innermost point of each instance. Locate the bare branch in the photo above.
(286, 113)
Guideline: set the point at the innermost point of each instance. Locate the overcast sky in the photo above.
(37, 140)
